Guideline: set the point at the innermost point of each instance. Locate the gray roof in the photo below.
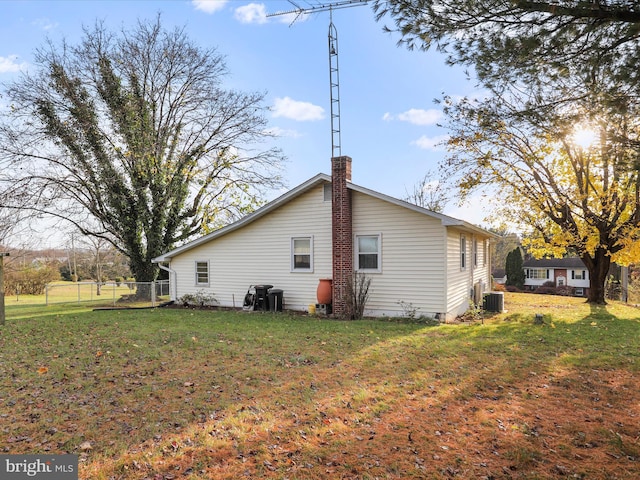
(304, 187)
(570, 262)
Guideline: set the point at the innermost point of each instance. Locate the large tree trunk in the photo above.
(144, 271)
(598, 266)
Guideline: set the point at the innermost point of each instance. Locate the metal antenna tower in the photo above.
(334, 77)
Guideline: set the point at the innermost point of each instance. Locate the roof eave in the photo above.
(260, 212)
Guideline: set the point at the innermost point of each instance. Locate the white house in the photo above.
(328, 227)
(570, 272)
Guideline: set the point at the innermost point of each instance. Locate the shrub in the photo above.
(357, 295)
(198, 299)
(30, 281)
(565, 291)
(408, 309)
(545, 290)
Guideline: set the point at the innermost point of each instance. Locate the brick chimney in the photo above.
(342, 237)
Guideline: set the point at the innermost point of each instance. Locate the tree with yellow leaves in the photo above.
(571, 197)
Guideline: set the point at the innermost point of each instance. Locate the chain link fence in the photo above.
(109, 294)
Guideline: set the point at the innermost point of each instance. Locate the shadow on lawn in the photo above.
(480, 401)
(282, 398)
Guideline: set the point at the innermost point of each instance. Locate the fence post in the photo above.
(114, 294)
(2, 314)
(153, 294)
(78, 292)
(46, 294)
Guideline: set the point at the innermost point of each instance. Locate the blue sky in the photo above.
(387, 93)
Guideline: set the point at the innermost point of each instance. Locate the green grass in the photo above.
(70, 293)
(158, 393)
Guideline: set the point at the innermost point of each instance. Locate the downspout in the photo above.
(173, 287)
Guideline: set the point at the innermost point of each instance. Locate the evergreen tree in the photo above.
(514, 270)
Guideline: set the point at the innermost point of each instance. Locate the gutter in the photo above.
(172, 281)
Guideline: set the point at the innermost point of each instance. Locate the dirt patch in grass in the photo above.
(167, 394)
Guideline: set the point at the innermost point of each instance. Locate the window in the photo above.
(202, 273)
(484, 253)
(475, 252)
(327, 192)
(368, 252)
(463, 252)
(579, 274)
(302, 254)
(537, 273)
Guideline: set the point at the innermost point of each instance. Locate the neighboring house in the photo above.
(499, 276)
(570, 272)
(328, 229)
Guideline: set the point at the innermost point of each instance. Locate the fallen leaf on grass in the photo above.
(43, 370)
(85, 446)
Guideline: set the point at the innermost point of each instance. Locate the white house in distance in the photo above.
(570, 272)
(328, 227)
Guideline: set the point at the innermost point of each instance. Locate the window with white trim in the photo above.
(202, 273)
(463, 252)
(579, 274)
(368, 253)
(302, 254)
(484, 252)
(475, 252)
(327, 193)
(537, 273)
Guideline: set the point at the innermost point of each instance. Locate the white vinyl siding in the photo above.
(461, 281)
(418, 257)
(412, 257)
(260, 253)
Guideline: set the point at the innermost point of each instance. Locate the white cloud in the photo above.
(251, 13)
(416, 116)
(209, 6)
(45, 24)
(282, 132)
(301, 111)
(9, 64)
(431, 143)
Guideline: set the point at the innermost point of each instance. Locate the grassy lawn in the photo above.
(169, 393)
